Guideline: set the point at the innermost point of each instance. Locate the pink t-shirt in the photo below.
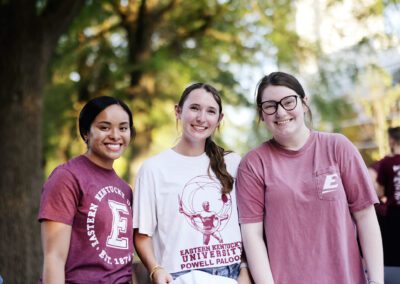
(305, 199)
(98, 206)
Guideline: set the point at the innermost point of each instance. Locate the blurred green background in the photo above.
(56, 55)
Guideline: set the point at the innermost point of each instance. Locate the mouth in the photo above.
(115, 147)
(283, 122)
(199, 127)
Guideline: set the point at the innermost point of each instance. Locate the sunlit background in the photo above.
(346, 54)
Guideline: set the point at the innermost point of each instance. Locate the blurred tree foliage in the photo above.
(146, 52)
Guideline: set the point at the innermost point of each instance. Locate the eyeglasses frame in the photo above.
(279, 103)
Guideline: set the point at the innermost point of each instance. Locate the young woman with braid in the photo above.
(185, 215)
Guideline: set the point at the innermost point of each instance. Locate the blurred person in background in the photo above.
(388, 179)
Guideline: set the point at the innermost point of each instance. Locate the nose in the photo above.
(201, 116)
(280, 110)
(114, 133)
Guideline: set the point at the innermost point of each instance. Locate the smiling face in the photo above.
(285, 125)
(200, 116)
(109, 135)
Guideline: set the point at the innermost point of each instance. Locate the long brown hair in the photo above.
(214, 152)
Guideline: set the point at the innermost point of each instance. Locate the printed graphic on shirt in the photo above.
(396, 183)
(116, 234)
(205, 208)
(331, 183)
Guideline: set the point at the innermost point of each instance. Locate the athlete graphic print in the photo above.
(206, 209)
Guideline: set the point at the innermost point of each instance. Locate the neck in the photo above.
(294, 142)
(189, 149)
(108, 166)
(396, 149)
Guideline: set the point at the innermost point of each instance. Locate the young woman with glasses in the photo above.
(304, 196)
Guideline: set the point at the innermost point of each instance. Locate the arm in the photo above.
(371, 242)
(144, 249)
(244, 276)
(56, 239)
(378, 188)
(256, 252)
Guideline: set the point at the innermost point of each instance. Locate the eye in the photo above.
(123, 128)
(212, 111)
(268, 106)
(103, 128)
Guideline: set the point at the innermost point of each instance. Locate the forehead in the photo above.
(201, 97)
(113, 113)
(276, 93)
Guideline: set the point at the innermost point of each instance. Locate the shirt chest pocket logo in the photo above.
(328, 182)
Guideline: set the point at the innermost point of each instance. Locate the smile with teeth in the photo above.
(113, 146)
(199, 127)
(283, 122)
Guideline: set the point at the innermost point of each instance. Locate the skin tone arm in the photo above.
(256, 252)
(56, 239)
(144, 248)
(371, 242)
(378, 188)
(244, 276)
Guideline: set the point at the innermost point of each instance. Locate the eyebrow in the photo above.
(109, 123)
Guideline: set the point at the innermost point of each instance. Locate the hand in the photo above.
(161, 277)
(244, 276)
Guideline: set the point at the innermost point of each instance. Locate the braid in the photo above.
(217, 164)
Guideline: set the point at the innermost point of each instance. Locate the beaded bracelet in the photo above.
(373, 282)
(154, 270)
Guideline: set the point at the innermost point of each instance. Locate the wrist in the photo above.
(154, 270)
(374, 282)
(243, 265)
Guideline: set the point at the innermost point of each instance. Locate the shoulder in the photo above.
(256, 153)
(389, 161)
(68, 168)
(255, 159)
(336, 140)
(157, 161)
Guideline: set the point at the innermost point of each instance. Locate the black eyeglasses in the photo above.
(271, 107)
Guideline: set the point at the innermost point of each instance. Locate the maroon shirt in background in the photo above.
(98, 206)
(389, 178)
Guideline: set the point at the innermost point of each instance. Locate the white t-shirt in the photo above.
(192, 224)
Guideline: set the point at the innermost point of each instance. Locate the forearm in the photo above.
(371, 242)
(56, 239)
(256, 253)
(53, 270)
(144, 249)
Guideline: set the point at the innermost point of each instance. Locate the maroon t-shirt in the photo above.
(389, 178)
(98, 206)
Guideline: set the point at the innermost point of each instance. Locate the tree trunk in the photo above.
(27, 43)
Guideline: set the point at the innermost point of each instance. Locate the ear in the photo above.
(305, 103)
(178, 112)
(221, 116)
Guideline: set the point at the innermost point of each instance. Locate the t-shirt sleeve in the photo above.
(356, 180)
(144, 202)
(60, 197)
(250, 188)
